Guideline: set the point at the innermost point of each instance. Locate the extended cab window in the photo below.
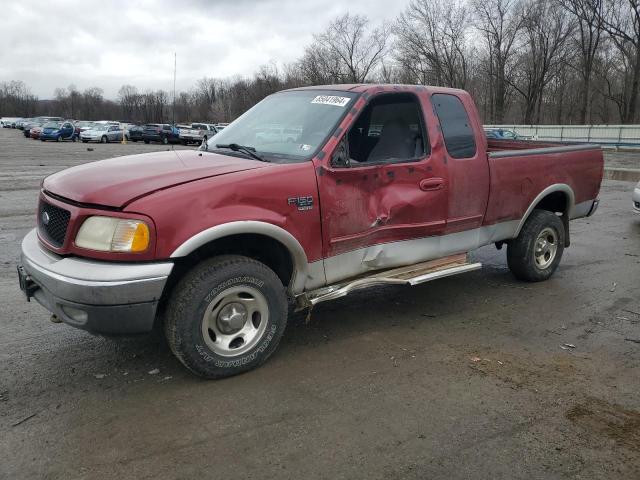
(456, 127)
(389, 129)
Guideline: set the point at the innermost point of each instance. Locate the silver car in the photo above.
(102, 133)
(636, 198)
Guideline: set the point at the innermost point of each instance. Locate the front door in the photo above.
(381, 189)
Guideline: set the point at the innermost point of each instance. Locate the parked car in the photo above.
(26, 128)
(501, 134)
(220, 237)
(83, 125)
(163, 133)
(22, 122)
(635, 198)
(9, 122)
(103, 133)
(278, 134)
(135, 133)
(36, 130)
(59, 131)
(197, 133)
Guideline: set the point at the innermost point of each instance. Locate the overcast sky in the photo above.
(49, 44)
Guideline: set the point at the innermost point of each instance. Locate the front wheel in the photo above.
(104, 139)
(535, 254)
(226, 316)
(165, 140)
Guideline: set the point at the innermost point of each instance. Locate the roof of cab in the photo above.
(379, 87)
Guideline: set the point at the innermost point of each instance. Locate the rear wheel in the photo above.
(226, 316)
(147, 142)
(104, 139)
(58, 138)
(164, 140)
(535, 254)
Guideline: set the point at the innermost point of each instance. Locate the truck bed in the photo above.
(521, 169)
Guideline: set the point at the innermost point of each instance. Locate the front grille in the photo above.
(53, 222)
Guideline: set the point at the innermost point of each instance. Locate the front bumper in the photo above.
(635, 198)
(102, 297)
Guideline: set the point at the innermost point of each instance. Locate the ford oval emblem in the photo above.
(45, 218)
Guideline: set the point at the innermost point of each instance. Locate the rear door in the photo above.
(382, 188)
(467, 162)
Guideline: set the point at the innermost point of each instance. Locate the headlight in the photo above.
(110, 234)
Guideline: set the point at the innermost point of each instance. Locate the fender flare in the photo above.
(298, 255)
(556, 187)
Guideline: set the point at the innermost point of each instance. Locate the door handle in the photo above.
(431, 184)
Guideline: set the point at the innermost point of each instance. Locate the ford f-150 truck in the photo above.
(384, 185)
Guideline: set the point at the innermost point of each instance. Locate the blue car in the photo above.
(502, 134)
(59, 131)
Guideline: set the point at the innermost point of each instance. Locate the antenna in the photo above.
(175, 62)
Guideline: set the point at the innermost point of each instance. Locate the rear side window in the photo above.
(456, 127)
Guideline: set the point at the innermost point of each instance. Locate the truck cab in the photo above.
(381, 184)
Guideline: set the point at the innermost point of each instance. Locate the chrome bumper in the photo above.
(99, 296)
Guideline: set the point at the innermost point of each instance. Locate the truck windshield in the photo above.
(287, 126)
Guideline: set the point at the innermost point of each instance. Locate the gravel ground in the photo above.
(463, 378)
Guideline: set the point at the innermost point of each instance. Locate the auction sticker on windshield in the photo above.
(331, 100)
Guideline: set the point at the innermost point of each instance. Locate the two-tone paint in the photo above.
(363, 218)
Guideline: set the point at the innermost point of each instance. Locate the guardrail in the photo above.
(606, 135)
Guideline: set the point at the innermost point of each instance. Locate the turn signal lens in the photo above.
(130, 236)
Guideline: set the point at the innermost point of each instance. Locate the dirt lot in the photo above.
(460, 378)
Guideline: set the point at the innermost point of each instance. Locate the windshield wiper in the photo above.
(242, 148)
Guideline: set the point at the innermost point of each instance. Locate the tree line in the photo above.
(524, 61)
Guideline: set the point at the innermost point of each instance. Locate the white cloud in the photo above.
(50, 44)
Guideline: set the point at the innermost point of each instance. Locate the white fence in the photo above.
(612, 135)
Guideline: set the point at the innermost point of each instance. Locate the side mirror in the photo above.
(340, 158)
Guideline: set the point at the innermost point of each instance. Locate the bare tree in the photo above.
(500, 23)
(432, 42)
(348, 49)
(620, 19)
(546, 28)
(588, 15)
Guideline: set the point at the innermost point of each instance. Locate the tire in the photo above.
(184, 142)
(74, 139)
(535, 254)
(104, 139)
(195, 322)
(85, 141)
(58, 138)
(147, 142)
(134, 140)
(164, 140)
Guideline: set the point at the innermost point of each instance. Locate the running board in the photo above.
(409, 275)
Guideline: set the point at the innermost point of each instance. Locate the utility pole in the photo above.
(175, 57)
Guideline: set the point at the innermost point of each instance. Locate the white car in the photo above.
(636, 198)
(197, 133)
(103, 133)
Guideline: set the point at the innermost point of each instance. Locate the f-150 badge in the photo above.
(303, 203)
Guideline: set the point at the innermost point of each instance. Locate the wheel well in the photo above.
(259, 247)
(556, 202)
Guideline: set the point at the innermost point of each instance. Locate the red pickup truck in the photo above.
(380, 184)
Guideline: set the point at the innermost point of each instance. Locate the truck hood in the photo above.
(118, 181)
